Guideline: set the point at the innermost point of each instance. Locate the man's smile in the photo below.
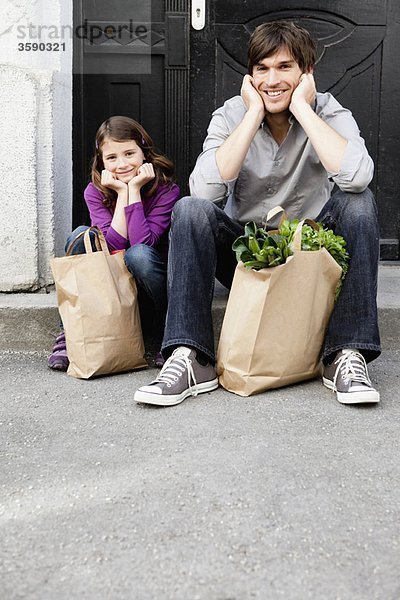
(274, 93)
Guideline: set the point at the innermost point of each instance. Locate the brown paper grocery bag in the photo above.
(275, 322)
(98, 304)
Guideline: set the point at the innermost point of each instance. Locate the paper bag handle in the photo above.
(100, 242)
(99, 239)
(297, 233)
(275, 211)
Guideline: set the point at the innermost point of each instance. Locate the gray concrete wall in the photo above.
(36, 139)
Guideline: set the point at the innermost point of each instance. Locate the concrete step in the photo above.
(29, 322)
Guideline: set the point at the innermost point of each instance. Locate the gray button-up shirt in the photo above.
(290, 175)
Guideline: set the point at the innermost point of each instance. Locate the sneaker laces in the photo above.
(174, 368)
(352, 367)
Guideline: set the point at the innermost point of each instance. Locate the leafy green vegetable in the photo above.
(258, 248)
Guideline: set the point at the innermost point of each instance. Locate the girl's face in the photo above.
(123, 159)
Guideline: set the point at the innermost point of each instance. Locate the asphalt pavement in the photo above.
(286, 494)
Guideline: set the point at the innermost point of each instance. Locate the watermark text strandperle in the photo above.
(85, 31)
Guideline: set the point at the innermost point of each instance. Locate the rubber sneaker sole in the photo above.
(364, 397)
(147, 397)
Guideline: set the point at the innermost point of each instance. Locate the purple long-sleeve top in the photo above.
(147, 222)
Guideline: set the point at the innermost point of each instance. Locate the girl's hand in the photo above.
(304, 93)
(251, 97)
(110, 180)
(144, 175)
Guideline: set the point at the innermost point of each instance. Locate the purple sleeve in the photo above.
(148, 220)
(101, 216)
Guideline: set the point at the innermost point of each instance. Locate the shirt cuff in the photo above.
(210, 172)
(350, 165)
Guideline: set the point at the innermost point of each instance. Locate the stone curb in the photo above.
(29, 322)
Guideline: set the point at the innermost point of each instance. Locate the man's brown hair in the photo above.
(269, 38)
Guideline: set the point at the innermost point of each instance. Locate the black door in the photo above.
(130, 58)
(358, 47)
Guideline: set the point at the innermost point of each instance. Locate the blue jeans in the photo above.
(201, 249)
(79, 247)
(150, 272)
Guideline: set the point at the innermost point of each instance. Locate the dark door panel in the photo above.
(141, 72)
(237, 11)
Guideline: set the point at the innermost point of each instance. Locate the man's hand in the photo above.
(329, 145)
(144, 175)
(251, 97)
(110, 180)
(232, 152)
(304, 93)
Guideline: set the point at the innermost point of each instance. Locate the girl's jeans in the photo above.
(201, 249)
(150, 273)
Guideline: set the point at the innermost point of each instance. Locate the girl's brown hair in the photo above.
(124, 129)
(269, 38)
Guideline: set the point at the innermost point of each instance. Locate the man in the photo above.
(278, 143)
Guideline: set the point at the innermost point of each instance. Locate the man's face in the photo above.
(275, 78)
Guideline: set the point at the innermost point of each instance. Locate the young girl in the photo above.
(130, 199)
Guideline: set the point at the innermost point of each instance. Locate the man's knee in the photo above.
(359, 206)
(354, 211)
(192, 209)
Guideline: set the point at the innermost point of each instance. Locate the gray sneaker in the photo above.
(181, 376)
(348, 377)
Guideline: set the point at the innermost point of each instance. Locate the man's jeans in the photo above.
(201, 249)
(150, 273)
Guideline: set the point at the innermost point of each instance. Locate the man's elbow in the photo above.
(207, 191)
(357, 182)
(360, 186)
(355, 185)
